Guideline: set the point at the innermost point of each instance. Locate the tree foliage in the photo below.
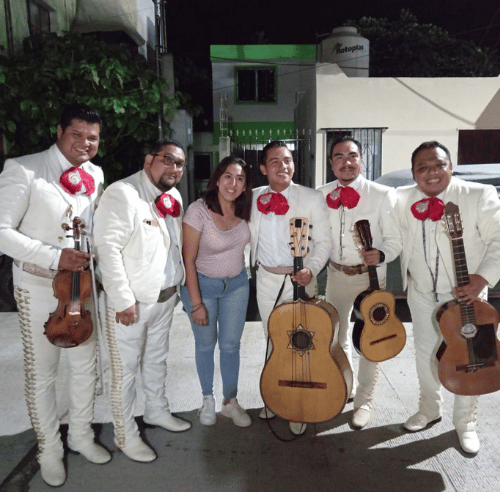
(35, 87)
(406, 48)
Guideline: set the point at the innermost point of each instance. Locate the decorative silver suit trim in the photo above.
(116, 389)
(23, 301)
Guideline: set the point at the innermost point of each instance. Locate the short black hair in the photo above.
(345, 138)
(429, 145)
(271, 145)
(79, 112)
(158, 145)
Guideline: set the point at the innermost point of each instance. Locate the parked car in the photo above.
(484, 173)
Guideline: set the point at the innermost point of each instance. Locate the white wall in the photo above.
(291, 78)
(414, 110)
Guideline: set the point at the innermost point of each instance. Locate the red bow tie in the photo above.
(74, 179)
(166, 204)
(428, 208)
(272, 202)
(345, 196)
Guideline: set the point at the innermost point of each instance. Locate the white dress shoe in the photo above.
(298, 428)
(266, 414)
(93, 452)
(169, 422)
(468, 441)
(52, 470)
(136, 449)
(207, 411)
(419, 421)
(360, 417)
(235, 412)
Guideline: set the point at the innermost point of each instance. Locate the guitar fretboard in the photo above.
(462, 275)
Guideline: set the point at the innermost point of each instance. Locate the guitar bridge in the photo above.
(302, 385)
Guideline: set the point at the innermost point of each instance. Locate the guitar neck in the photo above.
(299, 292)
(462, 275)
(372, 273)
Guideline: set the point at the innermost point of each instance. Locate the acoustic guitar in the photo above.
(377, 334)
(468, 356)
(307, 377)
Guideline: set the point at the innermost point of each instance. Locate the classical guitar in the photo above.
(378, 334)
(307, 377)
(468, 357)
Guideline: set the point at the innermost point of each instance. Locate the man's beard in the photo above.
(166, 185)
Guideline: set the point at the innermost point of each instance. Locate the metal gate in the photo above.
(250, 150)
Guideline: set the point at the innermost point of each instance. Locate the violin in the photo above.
(71, 324)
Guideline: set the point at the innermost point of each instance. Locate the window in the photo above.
(255, 85)
(371, 142)
(38, 18)
(478, 146)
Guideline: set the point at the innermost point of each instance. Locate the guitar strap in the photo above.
(434, 276)
(281, 291)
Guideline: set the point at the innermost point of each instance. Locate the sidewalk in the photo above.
(329, 457)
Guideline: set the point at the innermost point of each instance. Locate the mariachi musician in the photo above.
(272, 208)
(427, 269)
(39, 193)
(138, 244)
(350, 198)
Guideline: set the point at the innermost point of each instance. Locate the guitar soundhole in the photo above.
(301, 340)
(379, 314)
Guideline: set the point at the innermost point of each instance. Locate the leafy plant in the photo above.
(406, 48)
(35, 87)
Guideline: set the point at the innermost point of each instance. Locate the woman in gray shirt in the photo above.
(215, 233)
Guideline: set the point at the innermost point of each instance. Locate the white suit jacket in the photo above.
(33, 205)
(376, 204)
(131, 253)
(303, 202)
(480, 213)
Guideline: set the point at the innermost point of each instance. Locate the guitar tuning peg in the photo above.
(309, 238)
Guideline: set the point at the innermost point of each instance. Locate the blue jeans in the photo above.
(226, 301)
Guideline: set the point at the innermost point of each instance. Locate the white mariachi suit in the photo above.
(480, 212)
(375, 204)
(132, 243)
(303, 202)
(33, 206)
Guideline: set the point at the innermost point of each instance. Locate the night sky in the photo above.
(196, 24)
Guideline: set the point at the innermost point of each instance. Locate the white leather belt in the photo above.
(27, 267)
(279, 269)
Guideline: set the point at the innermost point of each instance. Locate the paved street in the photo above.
(329, 457)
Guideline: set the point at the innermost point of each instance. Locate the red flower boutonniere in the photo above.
(345, 196)
(74, 179)
(272, 202)
(431, 208)
(166, 204)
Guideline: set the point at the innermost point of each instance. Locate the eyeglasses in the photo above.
(170, 162)
(424, 169)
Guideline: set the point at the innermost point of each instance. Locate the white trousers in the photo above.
(341, 292)
(428, 338)
(142, 345)
(268, 286)
(35, 300)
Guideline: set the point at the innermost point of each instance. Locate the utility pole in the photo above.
(157, 57)
(8, 28)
